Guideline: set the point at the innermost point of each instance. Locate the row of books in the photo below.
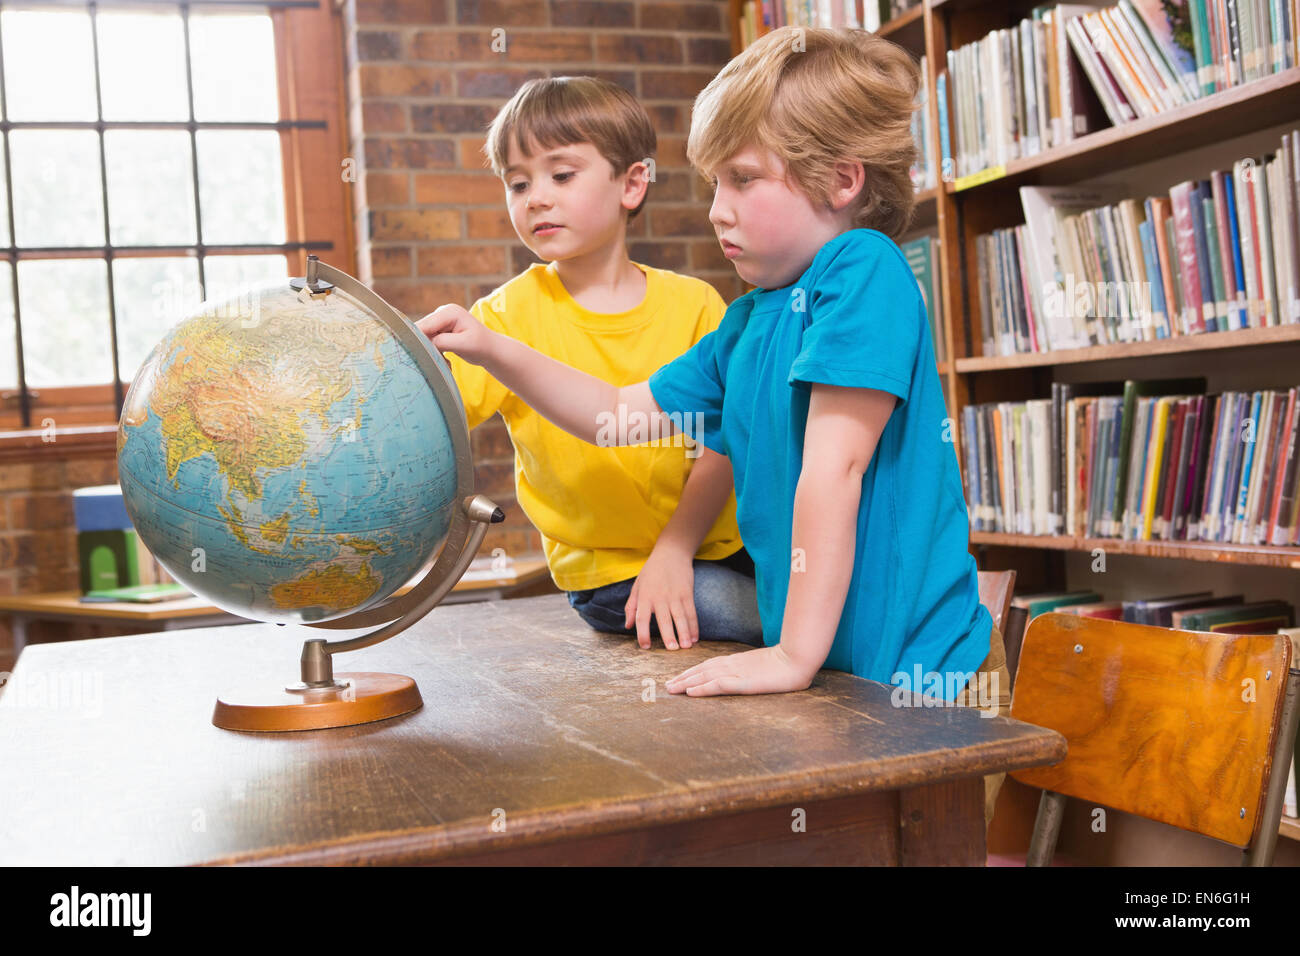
(923, 256)
(1193, 611)
(1067, 69)
(759, 16)
(1160, 461)
(923, 170)
(1090, 267)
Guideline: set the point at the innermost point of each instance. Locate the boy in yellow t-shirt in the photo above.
(621, 526)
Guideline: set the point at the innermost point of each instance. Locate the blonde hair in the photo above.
(564, 110)
(815, 97)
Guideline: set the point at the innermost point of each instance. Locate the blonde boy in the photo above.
(643, 539)
(820, 385)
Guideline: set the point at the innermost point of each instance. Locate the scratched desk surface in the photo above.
(533, 727)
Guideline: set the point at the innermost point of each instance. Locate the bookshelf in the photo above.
(961, 209)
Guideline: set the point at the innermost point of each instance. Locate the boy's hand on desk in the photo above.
(451, 329)
(765, 670)
(665, 589)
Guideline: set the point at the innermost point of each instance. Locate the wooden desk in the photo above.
(531, 721)
(481, 583)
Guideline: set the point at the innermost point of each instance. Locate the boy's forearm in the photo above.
(821, 565)
(707, 488)
(571, 399)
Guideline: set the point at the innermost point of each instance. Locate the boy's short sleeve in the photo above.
(482, 395)
(864, 325)
(691, 385)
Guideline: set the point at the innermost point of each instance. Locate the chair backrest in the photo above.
(996, 588)
(1174, 726)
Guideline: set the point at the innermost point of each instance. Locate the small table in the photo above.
(540, 741)
(482, 582)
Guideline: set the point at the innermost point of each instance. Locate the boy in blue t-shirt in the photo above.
(820, 384)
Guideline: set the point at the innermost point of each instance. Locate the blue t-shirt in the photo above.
(854, 318)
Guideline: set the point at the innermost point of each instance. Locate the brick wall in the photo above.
(425, 79)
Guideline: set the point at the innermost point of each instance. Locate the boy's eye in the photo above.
(517, 187)
(562, 177)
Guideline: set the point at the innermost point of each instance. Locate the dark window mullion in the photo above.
(24, 397)
(103, 189)
(194, 151)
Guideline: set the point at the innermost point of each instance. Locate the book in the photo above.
(139, 594)
(1035, 604)
(1259, 617)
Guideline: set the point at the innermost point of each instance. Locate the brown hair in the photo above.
(565, 110)
(815, 97)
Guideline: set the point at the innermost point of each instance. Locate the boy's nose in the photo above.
(720, 212)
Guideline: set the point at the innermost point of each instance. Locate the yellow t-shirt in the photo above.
(599, 510)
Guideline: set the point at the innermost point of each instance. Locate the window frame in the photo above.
(309, 51)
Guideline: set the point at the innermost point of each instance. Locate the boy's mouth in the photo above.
(546, 229)
(730, 249)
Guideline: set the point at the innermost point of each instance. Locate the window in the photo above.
(153, 155)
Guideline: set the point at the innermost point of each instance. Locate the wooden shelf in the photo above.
(1265, 102)
(1221, 552)
(1205, 342)
(906, 29)
(1289, 828)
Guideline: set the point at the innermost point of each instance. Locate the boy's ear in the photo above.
(847, 180)
(635, 183)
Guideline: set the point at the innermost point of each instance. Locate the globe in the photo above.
(285, 455)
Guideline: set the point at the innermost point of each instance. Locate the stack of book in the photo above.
(1195, 611)
(759, 16)
(1158, 461)
(923, 170)
(110, 553)
(1066, 69)
(1089, 267)
(923, 256)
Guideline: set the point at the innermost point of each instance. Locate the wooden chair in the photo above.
(1191, 729)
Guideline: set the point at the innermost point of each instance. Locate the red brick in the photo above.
(707, 256)
(708, 51)
(680, 221)
(446, 46)
(54, 551)
(624, 78)
(491, 442)
(549, 46)
(17, 551)
(669, 186)
(492, 84)
(400, 79)
(668, 118)
(502, 12)
(683, 16)
(378, 45)
(673, 84)
(86, 472)
(461, 260)
(591, 13)
(521, 257)
(417, 298)
(379, 117)
(21, 476)
(638, 48)
(41, 511)
(451, 118)
(415, 224)
(395, 152)
(388, 189)
(459, 188)
(387, 262)
(388, 12)
(661, 255)
(672, 152)
(488, 224)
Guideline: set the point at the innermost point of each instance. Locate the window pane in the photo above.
(142, 66)
(57, 187)
(8, 331)
(241, 186)
(150, 296)
(150, 187)
(233, 59)
(65, 322)
(49, 64)
(231, 275)
(4, 204)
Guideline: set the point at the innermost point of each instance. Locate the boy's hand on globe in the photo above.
(665, 589)
(451, 329)
(765, 670)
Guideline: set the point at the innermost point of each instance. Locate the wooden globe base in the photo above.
(366, 697)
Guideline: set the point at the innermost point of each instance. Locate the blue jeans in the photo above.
(726, 605)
